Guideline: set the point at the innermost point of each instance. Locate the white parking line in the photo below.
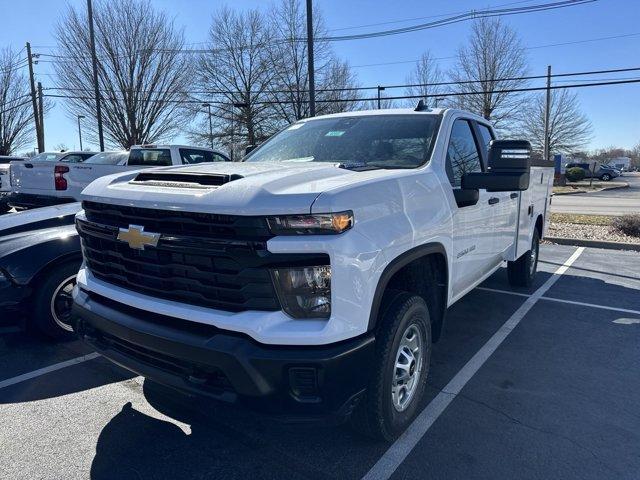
(561, 300)
(396, 454)
(51, 368)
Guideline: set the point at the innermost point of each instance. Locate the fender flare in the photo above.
(27, 263)
(394, 266)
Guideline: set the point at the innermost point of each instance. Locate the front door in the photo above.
(473, 229)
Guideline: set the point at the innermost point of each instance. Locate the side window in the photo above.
(462, 153)
(73, 158)
(486, 135)
(219, 158)
(190, 156)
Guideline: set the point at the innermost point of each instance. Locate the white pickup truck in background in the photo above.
(312, 278)
(37, 184)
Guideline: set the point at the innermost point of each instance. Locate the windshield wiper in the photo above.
(358, 166)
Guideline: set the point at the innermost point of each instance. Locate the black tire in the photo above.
(47, 313)
(606, 177)
(522, 272)
(376, 415)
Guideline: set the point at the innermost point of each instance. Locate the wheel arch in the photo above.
(404, 267)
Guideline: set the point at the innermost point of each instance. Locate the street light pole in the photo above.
(380, 89)
(80, 131)
(208, 105)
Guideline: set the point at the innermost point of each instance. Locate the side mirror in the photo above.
(508, 170)
(249, 149)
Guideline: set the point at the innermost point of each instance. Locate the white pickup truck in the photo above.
(41, 183)
(312, 278)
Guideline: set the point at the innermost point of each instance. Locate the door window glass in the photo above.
(462, 153)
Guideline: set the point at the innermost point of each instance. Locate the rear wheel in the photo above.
(522, 271)
(606, 177)
(51, 312)
(403, 352)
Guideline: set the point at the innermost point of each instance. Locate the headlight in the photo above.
(316, 224)
(304, 292)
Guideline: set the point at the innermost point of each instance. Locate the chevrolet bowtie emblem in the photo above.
(137, 238)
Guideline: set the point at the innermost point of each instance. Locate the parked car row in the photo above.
(54, 178)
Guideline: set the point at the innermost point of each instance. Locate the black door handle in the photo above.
(513, 195)
(493, 200)
(28, 165)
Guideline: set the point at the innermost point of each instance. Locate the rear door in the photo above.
(505, 210)
(473, 229)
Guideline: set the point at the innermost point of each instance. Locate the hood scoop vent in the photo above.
(183, 180)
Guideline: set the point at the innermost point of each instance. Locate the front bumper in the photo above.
(30, 200)
(301, 382)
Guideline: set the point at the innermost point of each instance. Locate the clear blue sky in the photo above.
(614, 110)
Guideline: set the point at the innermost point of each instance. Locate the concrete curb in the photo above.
(594, 243)
(615, 187)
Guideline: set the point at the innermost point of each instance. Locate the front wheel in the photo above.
(522, 271)
(51, 312)
(398, 379)
(606, 177)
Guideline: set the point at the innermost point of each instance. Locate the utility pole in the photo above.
(94, 61)
(32, 84)
(41, 112)
(80, 130)
(208, 105)
(547, 116)
(310, 65)
(380, 89)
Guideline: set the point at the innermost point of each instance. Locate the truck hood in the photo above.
(251, 189)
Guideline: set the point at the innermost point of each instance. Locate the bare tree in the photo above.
(569, 128)
(235, 72)
(422, 78)
(16, 113)
(494, 60)
(339, 89)
(288, 54)
(142, 72)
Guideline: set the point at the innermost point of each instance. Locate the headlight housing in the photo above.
(304, 292)
(314, 224)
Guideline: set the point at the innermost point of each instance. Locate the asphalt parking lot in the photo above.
(530, 383)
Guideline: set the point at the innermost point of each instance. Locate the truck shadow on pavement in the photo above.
(223, 441)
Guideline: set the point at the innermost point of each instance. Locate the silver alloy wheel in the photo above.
(61, 302)
(408, 367)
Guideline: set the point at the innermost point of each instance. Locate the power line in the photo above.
(399, 97)
(405, 85)
(469, 15)
(354, 27)
(586, 40)
(463, 17)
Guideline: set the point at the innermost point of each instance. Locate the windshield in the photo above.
(46, 157)
(108, 158)
(385, 141)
